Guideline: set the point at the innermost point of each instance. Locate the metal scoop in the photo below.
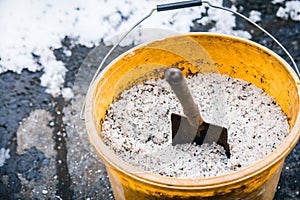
(191, 127)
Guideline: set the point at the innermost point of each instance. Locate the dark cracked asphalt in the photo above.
(49, 156)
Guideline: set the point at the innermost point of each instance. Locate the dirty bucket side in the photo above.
(231, 56)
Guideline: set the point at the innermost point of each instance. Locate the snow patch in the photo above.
(277, 1)
(67, 93)
(255, 16)
(290, 10)
(67, 52)
(4, 154)
(54, 75)
(30, 29)
(224, 21)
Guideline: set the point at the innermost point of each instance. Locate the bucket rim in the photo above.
(273, 158)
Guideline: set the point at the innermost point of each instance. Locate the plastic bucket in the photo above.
(232, 56)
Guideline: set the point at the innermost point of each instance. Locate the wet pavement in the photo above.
(47, 152)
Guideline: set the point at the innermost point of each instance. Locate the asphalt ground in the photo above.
(49, 155)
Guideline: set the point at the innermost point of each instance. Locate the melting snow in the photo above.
(67, 93)
(4, 154)
(31, 29)
(291, 9)
(277, 1)
(255, 16)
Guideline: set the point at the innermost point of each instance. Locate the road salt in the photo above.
(138, 126)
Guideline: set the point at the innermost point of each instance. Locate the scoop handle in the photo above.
(178, 84)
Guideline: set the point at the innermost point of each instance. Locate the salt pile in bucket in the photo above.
(138, 126)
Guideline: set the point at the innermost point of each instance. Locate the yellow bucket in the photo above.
(232, 56)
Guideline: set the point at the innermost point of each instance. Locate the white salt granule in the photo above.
(138, 126)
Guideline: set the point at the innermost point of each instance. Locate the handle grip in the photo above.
(178, 84)
(178, 5)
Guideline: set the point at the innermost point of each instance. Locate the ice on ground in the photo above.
(290, 10)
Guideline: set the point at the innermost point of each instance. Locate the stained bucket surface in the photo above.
(238, 58)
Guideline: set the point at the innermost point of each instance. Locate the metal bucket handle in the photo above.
(178, 5)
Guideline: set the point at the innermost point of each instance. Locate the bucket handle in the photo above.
(179, 5)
